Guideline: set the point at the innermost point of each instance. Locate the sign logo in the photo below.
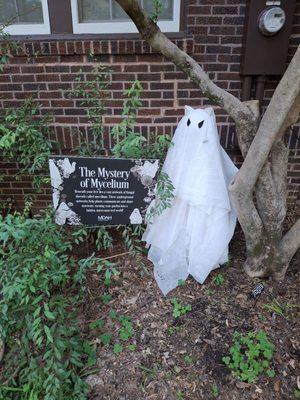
(104, 218)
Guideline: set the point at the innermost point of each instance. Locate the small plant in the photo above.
(297, 393)
(106, 298)
(8, 46)
(92, 91)
(116, 330)
(132, 238)
(279, 308)
(188, 359)
(218, 280)
(250, 356)
(164, 196)
(275, 307)
(151, 373)
(157, 10)
(118, 348)
(128, 142)
(215, 391)
(173, 329)
(179, 395)
(179, 309)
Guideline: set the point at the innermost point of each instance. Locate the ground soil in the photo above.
(181, 358)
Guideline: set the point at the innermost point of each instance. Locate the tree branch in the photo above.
(279, 164)
(288, 247)
(159, 42)
(255, 142)
(267, 202)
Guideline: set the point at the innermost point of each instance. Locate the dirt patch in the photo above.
(181, 358)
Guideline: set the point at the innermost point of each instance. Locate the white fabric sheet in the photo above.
(192, 236)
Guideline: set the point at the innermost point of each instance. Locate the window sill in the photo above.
(90, 36)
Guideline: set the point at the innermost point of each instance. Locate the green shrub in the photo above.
(39, 299)
(179, 309)
(92, 93)
(131, 144)
(23, 138)
(250, 356)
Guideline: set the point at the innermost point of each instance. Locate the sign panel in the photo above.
(102, 191)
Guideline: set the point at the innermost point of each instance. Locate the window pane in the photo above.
(93, 10)
(21, 11)
(30, 11)
(167, 8)
(118, 12)
(7, 10)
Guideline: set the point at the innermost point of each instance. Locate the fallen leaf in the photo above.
(258, 390)
(242, 385)
(208, 341)
(277, 386)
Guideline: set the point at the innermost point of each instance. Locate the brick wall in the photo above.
(46, 71)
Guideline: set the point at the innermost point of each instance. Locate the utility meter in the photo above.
(271, 21)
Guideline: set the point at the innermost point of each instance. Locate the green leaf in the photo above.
(226, 360)
(48, 314)
(270, 373)
(118, 348)
(48, 334)
(106, 338)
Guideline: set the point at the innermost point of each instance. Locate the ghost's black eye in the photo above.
(200, 124)
(188, 122)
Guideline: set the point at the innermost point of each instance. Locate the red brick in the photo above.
(213, 37)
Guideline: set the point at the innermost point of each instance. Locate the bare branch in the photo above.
(159, 42)
(256, 141)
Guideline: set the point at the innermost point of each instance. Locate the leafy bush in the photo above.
(7, 46)
(39, 299)
(131, 144)
(92, 94)
(250, 356)
(23, 138)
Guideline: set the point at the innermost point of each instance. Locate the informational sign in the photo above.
(102, 191)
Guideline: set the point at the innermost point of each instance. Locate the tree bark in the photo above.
(264, 169)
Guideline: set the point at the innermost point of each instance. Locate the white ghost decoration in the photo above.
(192, 236)
(135, 217)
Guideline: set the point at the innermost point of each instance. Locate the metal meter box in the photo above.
(266, 38)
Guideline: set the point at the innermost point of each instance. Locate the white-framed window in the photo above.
(25, 17)
(106, 16)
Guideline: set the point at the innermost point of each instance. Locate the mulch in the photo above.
(181, 358)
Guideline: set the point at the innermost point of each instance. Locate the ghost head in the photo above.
(197, 120)
(194, 162)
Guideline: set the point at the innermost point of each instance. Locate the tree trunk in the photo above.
(258, 191)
